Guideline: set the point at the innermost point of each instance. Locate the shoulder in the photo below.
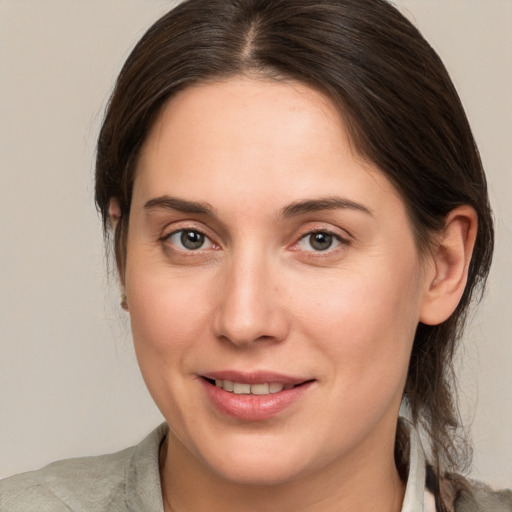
(83, 484)
(481, 498)
(66, 484)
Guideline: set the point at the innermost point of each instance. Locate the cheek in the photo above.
(169, 320)
(169, 313)
(366, 322)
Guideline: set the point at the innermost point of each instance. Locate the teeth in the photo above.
(263, 388)
(275, 387)
(241, 389)
(260, 389)
(228, 385)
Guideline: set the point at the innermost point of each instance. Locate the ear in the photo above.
(447, 274)
(114, 212)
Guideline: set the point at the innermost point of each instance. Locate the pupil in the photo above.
(192, 239)
(321, 241)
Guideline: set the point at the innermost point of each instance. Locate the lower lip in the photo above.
(254, 407)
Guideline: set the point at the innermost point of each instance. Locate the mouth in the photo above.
(254, 396)
(259, 388)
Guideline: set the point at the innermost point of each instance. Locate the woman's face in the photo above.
(266, 257)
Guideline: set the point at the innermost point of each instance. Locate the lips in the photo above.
(253, 396)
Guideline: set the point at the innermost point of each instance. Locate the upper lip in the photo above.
(254, 377)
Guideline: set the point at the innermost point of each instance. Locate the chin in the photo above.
(261, 460)
(268, 472)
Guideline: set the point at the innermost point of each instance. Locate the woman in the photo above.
(300, 222)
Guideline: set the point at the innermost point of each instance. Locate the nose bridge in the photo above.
(248, 307)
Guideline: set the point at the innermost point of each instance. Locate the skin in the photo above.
(258, 296)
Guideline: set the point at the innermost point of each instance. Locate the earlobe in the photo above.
(124, 300)
(447, 275)
(114, 212)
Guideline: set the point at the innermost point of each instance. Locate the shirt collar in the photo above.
(417, 498)
(143, 490)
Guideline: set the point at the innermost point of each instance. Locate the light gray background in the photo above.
(69, 382)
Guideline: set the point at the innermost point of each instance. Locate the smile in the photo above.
(260, 397)
(240, 388)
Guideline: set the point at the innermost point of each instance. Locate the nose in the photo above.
(250, 307)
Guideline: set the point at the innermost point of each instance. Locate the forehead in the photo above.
(214, 112)
(251, 138)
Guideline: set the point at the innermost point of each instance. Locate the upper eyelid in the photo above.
(176, 227)
(162, 222)
(327, 231)
(172, 232)
(340, 233)
(339, 238)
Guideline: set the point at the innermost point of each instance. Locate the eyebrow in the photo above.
(326, 203)
(181, 205)
(292, 210)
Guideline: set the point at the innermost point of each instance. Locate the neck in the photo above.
(365, 480)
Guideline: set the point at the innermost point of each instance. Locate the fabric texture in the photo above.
(482, 499)
(126, 481)
(129, 481)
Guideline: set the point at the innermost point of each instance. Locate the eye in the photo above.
(189, 240)
(319, 241)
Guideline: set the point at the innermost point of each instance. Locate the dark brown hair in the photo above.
(402, 112)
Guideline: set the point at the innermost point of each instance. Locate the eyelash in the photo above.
(331, 236)
(183, 231)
